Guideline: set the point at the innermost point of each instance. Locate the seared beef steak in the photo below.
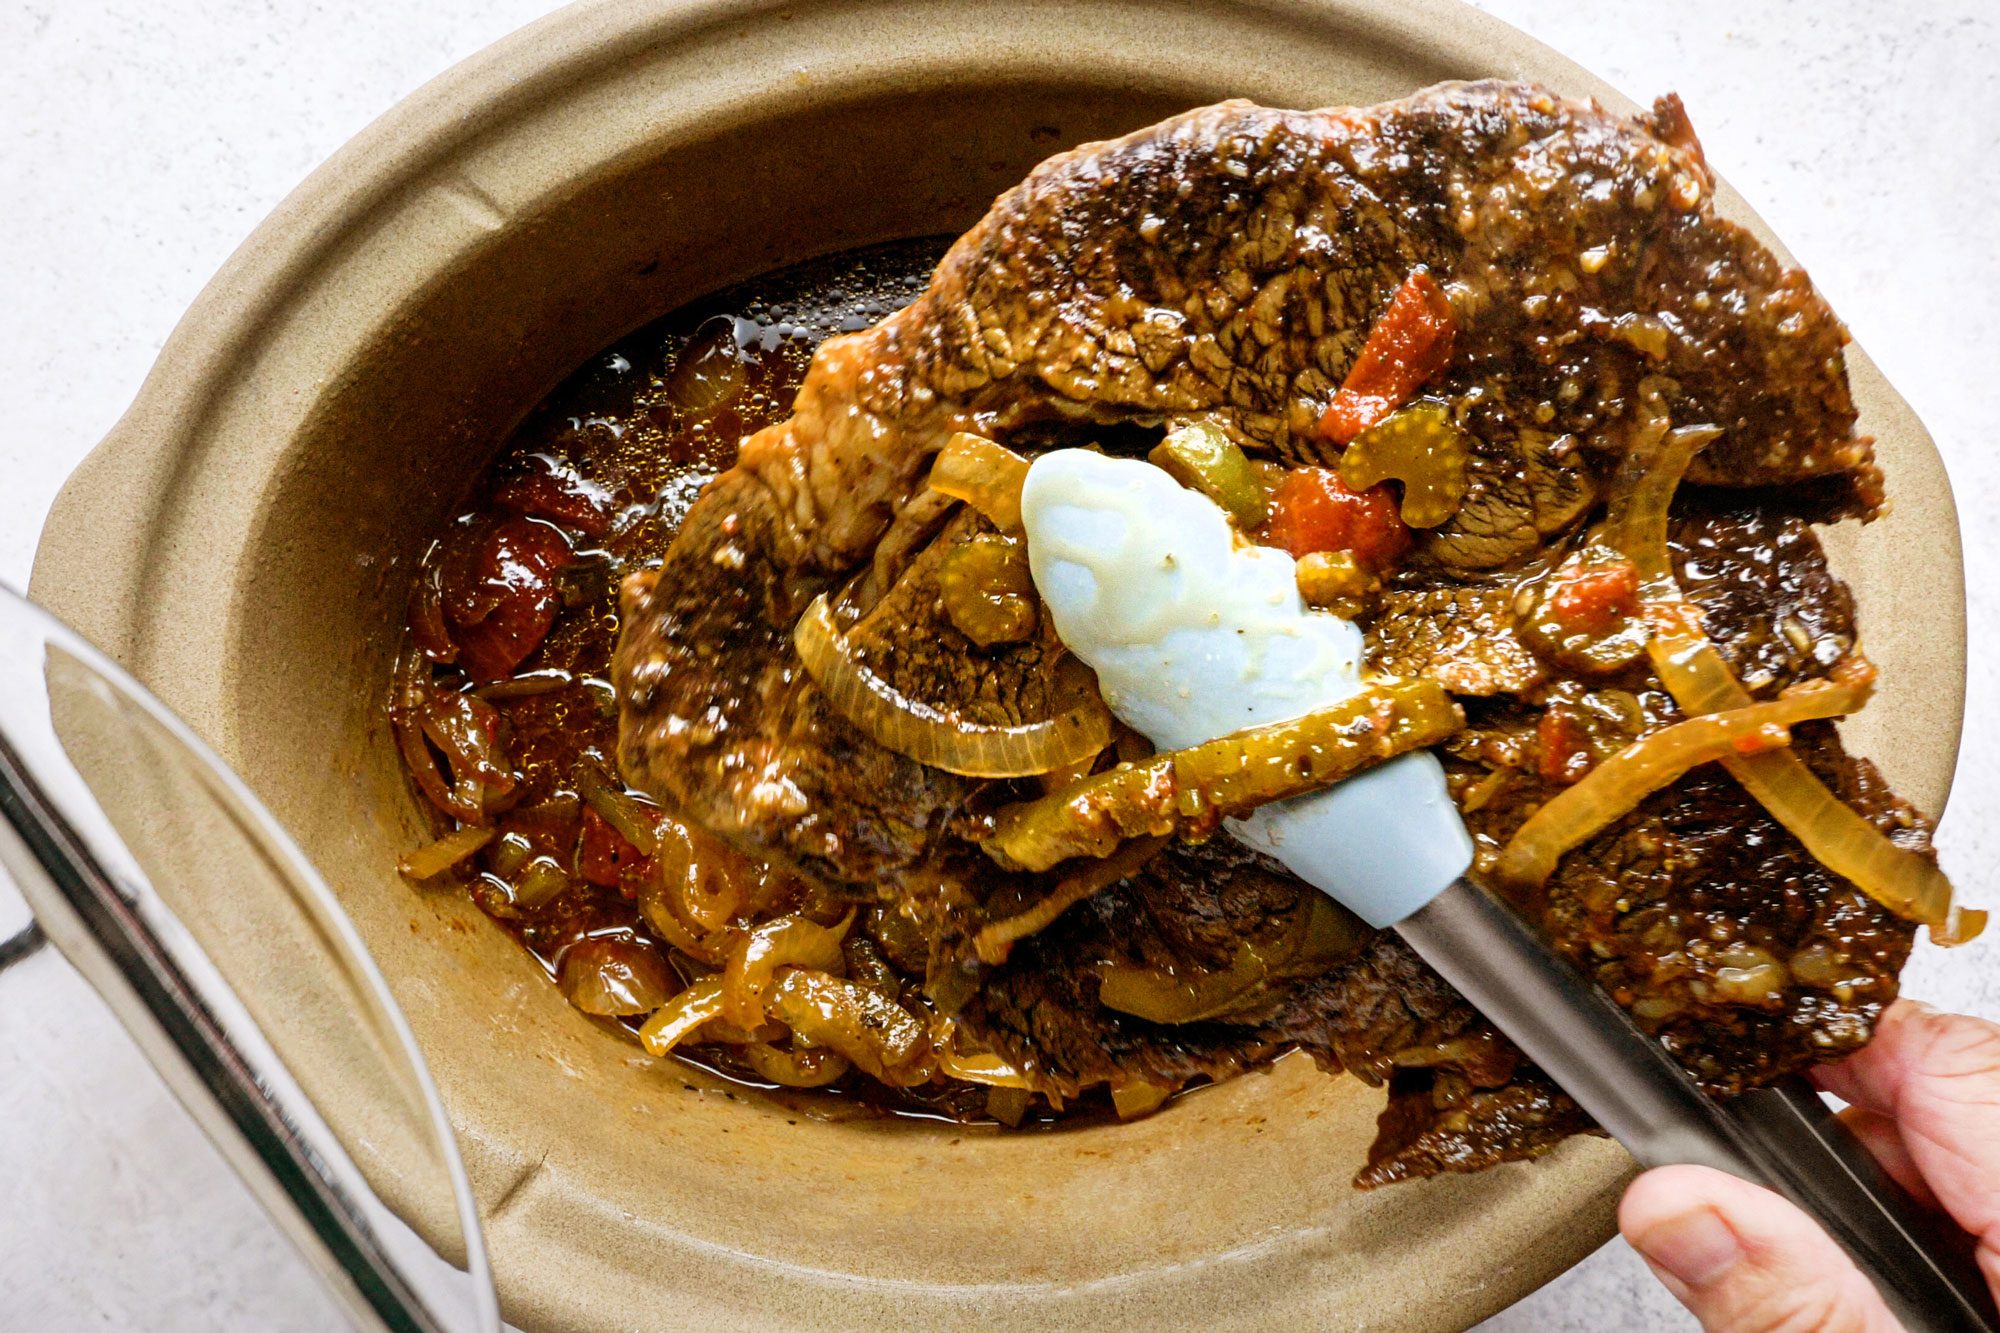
(1229, 262)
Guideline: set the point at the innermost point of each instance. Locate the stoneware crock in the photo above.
(244, 538)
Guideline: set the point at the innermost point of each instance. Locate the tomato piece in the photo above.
(1314, 510)
(501, 596)
(1410, 342)
(1564, 754)
(554, 489)
(605, 857)
(1595, 599)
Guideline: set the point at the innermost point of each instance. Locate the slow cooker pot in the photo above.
(243, 542)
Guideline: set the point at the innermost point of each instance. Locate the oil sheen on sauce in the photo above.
(642, 428)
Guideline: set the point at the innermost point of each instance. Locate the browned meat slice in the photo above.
(1459, 636)
(1765, 592)
(1231, 260)
(849, 808)
(1724, 937)
(1193, 907)
(1441, 1120)
(1698, 912)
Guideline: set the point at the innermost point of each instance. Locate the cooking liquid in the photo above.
(649, 422)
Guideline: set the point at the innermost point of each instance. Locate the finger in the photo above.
(1938, 1077)
(1878, 1133)
(1742, 1259)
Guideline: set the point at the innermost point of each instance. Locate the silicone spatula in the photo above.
(1194, 635)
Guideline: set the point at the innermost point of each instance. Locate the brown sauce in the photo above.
(612, 460)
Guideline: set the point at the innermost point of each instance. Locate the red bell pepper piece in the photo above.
(1563, 750)
(1313, 510)
(605, 858)
(1595, 598)
(1408, 345)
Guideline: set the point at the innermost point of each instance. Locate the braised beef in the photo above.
(1229, 262)
(1233, 270)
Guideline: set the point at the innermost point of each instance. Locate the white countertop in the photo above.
(140, 140)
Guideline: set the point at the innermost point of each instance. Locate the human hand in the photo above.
(1924, 1096)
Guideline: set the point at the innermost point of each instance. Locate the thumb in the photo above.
(1743, 1259)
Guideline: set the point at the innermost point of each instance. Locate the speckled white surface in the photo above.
(140, 140)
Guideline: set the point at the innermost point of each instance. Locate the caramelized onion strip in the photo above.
(984, 1068)
(931, 736)
(679, 1018)
(434, 858)
(1136, 1099)
(666, 923)
(1317, 936)
(1616, 786)
(800, 1067)
(413, 717)
(615, 978)
(787, 941)
(985, 475)
(997, 938)
(707, 884)
(883, 1039)
(1904, 882)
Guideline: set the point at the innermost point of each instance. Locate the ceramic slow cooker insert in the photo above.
(244, 540)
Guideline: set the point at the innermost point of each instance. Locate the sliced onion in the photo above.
(935, 738)
(789, 941)
(1133, 1100)
(615, 978)
(1615, 787)
(1318, 934)
(665, 923)
(1166, 996)
(800, 1067)
(465, 728)
(408, 704)
(434, 858)
(678, 1019)
(867, 966)
(428, 631)
(423, 768)
(1693, 671)
(526, 686)
(984, 1068)
(637, 822)
(996, 939)
(1907, 884)
(709, 371)
(985, 475)
(726, 1032)
(880, 1036)
(708, 884)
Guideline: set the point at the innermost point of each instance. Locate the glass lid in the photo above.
(258, 1003)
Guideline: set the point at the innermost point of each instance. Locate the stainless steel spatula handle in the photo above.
(1194, 635)
(1782, 1137)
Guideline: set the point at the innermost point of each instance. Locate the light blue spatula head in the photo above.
(1193, 636)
